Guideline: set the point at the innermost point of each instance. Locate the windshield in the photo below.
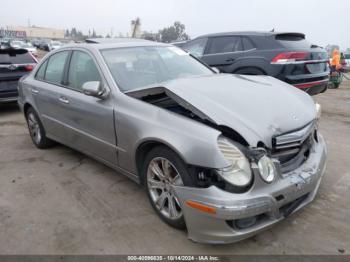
(137, 67)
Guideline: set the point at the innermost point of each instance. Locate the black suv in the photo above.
(14, 63)
(286, 56)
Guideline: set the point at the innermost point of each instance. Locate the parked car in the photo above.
(224, 155)
(286, 56)
(55, 45)
(30, 48)
(36, 42)
(5, 43)
(16, 44)
(14, 63)
(45, 44)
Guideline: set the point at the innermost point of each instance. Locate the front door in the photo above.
(89, 120)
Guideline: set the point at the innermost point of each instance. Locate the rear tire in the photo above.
(162, 169)
(37, 131)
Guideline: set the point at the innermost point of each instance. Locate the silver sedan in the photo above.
(224, 156)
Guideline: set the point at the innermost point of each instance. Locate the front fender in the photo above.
(138, 122)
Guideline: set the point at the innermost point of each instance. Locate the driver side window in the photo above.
(82, 69)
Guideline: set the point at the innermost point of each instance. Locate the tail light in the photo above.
(289, 57)
(29, 68)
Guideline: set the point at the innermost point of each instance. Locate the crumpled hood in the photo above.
(257, 107)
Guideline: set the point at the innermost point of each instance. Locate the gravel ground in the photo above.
(59, 201)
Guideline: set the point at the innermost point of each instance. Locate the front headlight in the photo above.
(318, 110)
(239, 172)
(267, 169)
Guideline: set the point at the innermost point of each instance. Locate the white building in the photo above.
(39, 32)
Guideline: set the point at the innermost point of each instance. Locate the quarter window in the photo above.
(55, 68)
(82, 69)
(40, 75)
(225, 44)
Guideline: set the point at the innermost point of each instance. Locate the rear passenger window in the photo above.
(40, 75)
(225, 44)
(82, 69)
(55, 67)
(247, 44)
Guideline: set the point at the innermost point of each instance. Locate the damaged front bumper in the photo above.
(263, 205)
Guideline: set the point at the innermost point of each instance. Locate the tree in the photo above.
(173, 33)
(67, 34)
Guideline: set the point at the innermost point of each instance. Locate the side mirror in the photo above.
(217, 71)
(94, 88)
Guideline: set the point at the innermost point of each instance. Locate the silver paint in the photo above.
(112, 129)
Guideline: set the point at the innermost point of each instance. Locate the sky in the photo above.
(323, 21)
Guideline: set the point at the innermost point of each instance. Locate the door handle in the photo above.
(230, 60)
(35, 91)
(64, 100)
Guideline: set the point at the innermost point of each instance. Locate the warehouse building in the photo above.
(39, 32)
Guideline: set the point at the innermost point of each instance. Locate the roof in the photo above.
(247, 33)
(113, 40)
(108, 43)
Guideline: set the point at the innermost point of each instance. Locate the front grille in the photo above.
(293, 148)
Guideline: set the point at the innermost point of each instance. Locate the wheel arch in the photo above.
(247, 68)
(146, 146)
(26, 106)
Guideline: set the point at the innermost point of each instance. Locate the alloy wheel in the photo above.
(161, 177)
(34, 128)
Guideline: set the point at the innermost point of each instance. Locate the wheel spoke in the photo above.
(156, 170)
(154, 184)
(177, 181)
(160, 202)
(172, 208)
(166, 168)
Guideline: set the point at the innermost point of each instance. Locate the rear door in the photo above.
(222, 52)
(46, 92)
(14, 63)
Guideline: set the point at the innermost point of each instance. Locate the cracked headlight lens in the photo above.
(267, 169)
(239, 172)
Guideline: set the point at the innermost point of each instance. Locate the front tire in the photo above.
(163, 169)
(37, 131)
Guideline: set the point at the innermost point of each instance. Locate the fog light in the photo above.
(267, 169)
(245, 222)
